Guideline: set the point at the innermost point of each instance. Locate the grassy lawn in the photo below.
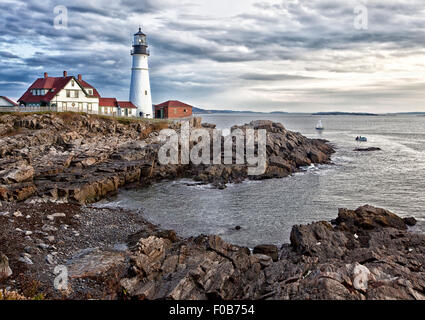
(70, 114)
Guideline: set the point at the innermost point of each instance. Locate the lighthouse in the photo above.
(140, 88)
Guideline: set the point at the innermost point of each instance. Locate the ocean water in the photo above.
(266, 210)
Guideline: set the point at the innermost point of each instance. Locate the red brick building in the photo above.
(173, 109)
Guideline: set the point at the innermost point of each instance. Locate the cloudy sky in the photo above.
(259, 55)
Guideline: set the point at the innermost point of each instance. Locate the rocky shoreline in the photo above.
(52, 166)
(79, 158)
(367, 253)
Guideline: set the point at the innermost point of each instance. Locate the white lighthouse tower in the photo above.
(140, 88)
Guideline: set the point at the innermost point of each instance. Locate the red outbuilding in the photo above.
(173, 109)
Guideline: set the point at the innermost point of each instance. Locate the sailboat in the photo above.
(319, 125)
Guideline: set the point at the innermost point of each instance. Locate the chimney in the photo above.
(45, 75)
(80, 77)
(65, 73)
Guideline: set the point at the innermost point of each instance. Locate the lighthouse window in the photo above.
(146, 92)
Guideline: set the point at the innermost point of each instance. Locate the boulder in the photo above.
(410, 221)
(368, 217)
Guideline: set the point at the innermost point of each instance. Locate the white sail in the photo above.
(319, 125)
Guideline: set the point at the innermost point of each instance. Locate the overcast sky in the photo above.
(296, 55)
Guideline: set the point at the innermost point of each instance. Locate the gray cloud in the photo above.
(204, 56)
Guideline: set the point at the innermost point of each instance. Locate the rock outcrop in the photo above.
(368, 254)
(82, 158)
(199, 268)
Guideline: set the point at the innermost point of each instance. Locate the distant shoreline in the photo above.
(336, 113)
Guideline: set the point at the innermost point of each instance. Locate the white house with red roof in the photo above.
(5, 102)
(65, 93)
(68, 93)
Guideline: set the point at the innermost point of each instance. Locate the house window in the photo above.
(89, 106)
(72, 83)
(64, 105)
(76, 94)
(175, 111)
(68, 93)
(185, 110)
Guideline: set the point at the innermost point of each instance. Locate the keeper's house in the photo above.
(173, 109)
(68, 93)
(5, 102)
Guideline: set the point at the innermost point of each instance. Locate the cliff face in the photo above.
(83, 158)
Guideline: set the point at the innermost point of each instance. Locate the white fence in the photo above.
(26, 109)
(43, 109)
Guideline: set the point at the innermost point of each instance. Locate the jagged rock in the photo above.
(348, 261)
(318, 239)
(199, 268)
(81, 158)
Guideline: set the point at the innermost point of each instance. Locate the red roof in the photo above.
(173, 103)
(87, 85)
(126, 104)
(8, 100)
(107, 102)
(54, 85)
(112, 102)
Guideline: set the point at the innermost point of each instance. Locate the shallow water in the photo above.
(266, 210)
